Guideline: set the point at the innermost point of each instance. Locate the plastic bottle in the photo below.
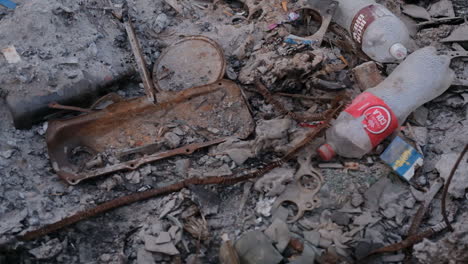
(382, 35)
(377, 112)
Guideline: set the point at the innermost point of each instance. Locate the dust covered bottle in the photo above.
(381, 35)
(377, 112)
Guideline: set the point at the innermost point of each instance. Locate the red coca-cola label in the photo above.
(364, 18)
(379, 120)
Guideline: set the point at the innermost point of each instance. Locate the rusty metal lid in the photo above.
(190, 62)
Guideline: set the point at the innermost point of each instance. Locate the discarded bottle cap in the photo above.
(398, 51)
(326, 152)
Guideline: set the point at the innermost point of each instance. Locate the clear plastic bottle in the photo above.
(377, 112)
(382, 35)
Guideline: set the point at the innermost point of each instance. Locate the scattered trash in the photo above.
(250, 187)
(229, 115)
(302, 192)
(376, 113)
(8, 4)
(190, 62)
(382, 35)
(402, 157)
(11, 55)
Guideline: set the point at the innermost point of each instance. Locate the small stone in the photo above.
(420, 135)
(178, 131)
(7, 153)
(416, 12)
(443, 8)
(367, 75)
(168, 207)
(161, 21)
(420, 115)
(92, 50)
(133, 177)
(296, 244)
(151, 244)
(213, 130)
(281, 213)
(181, 167)
(274, 182)
(145, 257)
(254, 247)
(105, 257)
(341, 218)
(264, 205)
(207, 200)
(363, 248)
(278, 232)
(163, 237)
(389, 213)
(172, 140)
(313, 237)
(325, 242)
(49, 250)
(410, 202)
(307, 256)
(356, 199)
(239, 156)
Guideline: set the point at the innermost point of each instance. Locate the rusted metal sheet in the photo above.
(192, 61)
(90, 145)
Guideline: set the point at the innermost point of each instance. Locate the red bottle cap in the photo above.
(326, 152)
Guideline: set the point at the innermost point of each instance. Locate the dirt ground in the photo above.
(65, 42)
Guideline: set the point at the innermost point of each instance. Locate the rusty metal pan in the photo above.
(90, 145)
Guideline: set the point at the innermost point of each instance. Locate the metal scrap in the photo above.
(302, 192)
(192, 61)
(144, 195)
(143, 70)
(134, 123)
(428, 197)
(446, 187)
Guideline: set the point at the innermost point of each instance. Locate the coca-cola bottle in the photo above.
(377, 112)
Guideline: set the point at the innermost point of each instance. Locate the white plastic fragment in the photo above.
(11, 55)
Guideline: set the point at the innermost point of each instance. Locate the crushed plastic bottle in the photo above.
(382, 35)
(376, 113)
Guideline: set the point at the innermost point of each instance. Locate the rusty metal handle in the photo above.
(145, 75)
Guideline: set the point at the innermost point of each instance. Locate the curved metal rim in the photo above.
(189, 38)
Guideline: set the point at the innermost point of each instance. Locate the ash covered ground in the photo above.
(360, 209)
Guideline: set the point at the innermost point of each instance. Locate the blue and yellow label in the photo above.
(402, 157)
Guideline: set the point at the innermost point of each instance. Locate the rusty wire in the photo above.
(136, 197)
(449, 180)
(416, 238)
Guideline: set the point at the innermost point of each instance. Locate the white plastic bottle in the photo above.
(377, 112)
(382, 35)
